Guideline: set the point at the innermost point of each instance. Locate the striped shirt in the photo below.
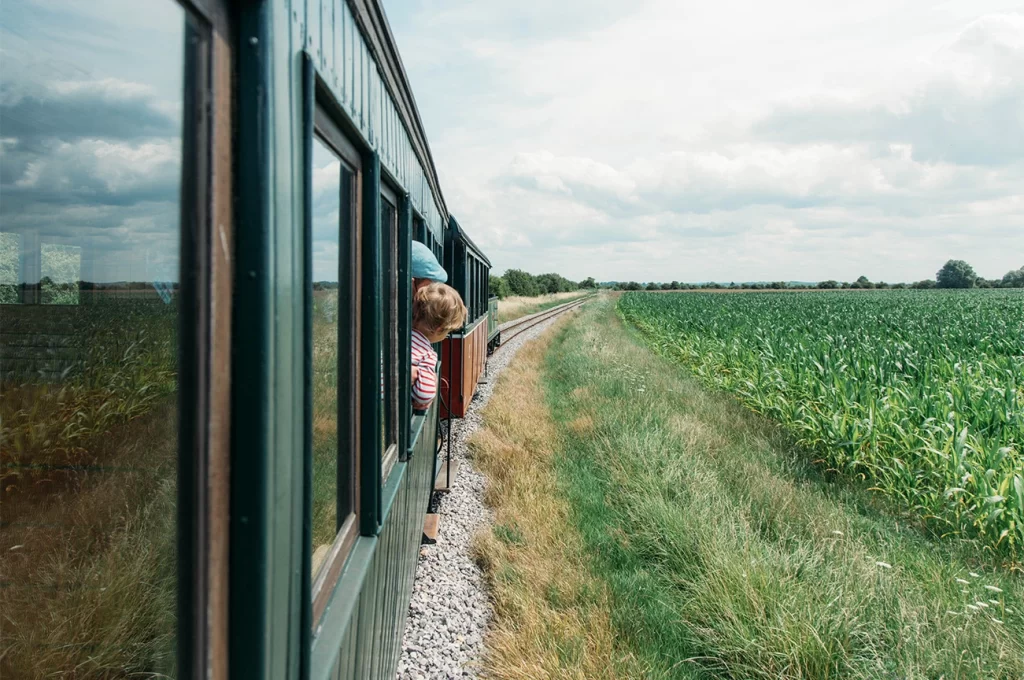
(425, 360)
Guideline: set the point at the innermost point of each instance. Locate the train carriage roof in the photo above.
(459, 234)
(369, 82)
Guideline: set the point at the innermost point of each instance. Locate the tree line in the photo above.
(519, 282)
(953, 274)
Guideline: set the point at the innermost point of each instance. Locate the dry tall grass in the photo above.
(88, 495)
(517, 306)
(89, 561)
(551, 614)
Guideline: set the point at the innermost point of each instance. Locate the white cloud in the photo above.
(731, 140)
(326, 178)
(95, 168)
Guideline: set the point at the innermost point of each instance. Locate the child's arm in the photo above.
(424, 387)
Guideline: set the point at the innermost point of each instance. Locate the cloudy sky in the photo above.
(726, 140)
(90, 136)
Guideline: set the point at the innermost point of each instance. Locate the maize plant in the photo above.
(919, 392)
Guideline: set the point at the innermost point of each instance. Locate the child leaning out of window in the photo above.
(437, 310)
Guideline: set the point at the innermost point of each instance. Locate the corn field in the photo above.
(920, 393)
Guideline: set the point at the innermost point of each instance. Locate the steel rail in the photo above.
(517, 326)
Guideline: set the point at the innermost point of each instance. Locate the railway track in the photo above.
(511, 329)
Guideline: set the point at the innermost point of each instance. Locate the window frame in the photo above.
(194, 263)
(349, 454)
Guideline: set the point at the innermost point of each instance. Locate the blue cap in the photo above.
(425, 265)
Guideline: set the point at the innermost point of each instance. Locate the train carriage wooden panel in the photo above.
(464, 360)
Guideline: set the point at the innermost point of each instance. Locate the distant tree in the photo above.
(1013, 278)
(666, 286)
(899, 286)
(632, 285)
(846, 285)
(881, 284)
(778, 285)
(548, 283)
(926, 284)
(521, 283)
(862, 282)
(828, 285)
(499, 286)
(674, 285)
(588, 282)
(653, 286)
(956, 274)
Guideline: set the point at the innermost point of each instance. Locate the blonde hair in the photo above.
(438, 307)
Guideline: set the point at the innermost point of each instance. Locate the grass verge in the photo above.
(724, 553)
(551, 613)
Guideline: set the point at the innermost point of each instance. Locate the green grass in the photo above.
(728, 555)
(551, 615)
(920, 392)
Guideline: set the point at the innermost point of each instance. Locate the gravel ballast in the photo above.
(450, 611)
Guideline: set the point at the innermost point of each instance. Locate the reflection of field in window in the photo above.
(88, 417)
(325, 415)
(10, 260)
(325, 249)
(61, 270)
(88, 496)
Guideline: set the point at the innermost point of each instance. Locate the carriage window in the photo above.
(419, 231)
(334, 379)
(478, 289)
(473, 290)
(61, 271)
(389, 333)
(90, 173)
(10, 263)
(470, 287)
(326, 238)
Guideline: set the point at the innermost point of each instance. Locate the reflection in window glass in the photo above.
(90, 167)
(326, 231)
(61, 269)
(389, 334)
(10, 265)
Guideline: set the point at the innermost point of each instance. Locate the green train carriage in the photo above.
(465, 350)
(208, 288)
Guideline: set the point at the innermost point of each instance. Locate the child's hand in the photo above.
(415, 373)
